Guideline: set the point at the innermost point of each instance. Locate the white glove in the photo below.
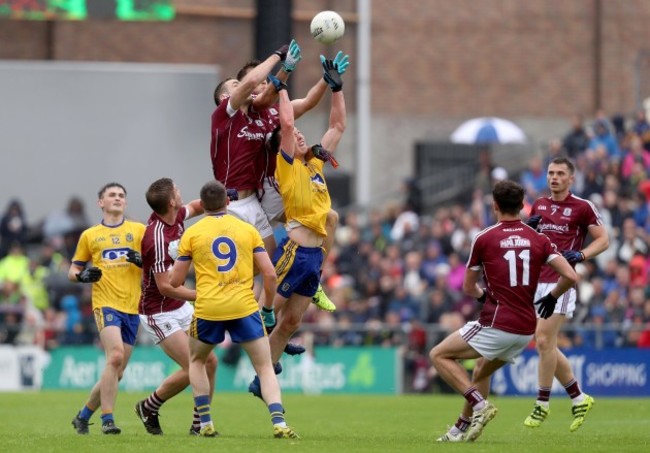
(172, 250)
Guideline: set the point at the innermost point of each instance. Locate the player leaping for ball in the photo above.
(307, 201)
(271, 199)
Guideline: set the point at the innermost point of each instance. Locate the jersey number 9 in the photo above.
(224, 249)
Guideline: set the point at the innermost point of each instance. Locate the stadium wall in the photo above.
(532, 62)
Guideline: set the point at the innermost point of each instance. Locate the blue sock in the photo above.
(277, 413)
(107, 417)
(85, 413)
(202, 404)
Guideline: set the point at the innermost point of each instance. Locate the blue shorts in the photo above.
(127, 323)
(241, 330)
(297, 268)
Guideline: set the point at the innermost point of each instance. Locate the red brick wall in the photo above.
(431, 58)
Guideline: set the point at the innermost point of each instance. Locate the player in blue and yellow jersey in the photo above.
(306, 201)
(224, 251)
(112, 248)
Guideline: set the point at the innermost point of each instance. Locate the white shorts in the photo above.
(162, 325)
(493, 343)
(250, 211)
(566, 304)
(272, 202)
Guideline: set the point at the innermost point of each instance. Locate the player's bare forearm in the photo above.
(270, 285)
(194, 208)
(73, 271)
(251, 80)
(269, 96)
(337, 125)
(178, 273)
(568, 277)
(288, 140)
(269, 279)
(599, 243)
(167, 290)
(470, 284)
(311, 100)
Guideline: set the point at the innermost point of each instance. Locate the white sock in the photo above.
(578, 399)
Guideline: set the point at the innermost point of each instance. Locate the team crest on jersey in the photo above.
(318, 179)
(286, 287)
(260, 123)
(167, 326)
(514, 241)
(566, 212)
(273, 111)
(109, 317)
(129, 237)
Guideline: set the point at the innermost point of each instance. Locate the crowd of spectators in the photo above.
(395, 273)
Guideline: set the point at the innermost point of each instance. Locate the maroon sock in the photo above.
(543, 394)
(573, 389)
(153, 403)
(473, 396)
(462, 423)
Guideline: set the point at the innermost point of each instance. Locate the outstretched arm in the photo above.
(287, 123)
(256, 76)
(269, 96)
(194, 208)
(338, 115)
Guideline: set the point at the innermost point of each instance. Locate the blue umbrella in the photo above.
(487, 131)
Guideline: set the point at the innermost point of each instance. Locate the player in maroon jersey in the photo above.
(510, 257)
(239, 131)
(566, 219)
(271, 200)
(164, 311)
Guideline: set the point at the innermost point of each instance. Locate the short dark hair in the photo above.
(509, 196)
(248, 66)
(220, 89)
(564, 161)
(274, 141)
(108, 186)
(213, 196)
(159, 193)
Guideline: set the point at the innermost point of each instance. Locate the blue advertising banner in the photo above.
(607, 372)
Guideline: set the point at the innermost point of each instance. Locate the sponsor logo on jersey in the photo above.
(514, 241)
(552, 227)
(245, 133)
(115, 254)
(541, 208)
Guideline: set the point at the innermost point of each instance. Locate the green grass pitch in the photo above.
(40, 422)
